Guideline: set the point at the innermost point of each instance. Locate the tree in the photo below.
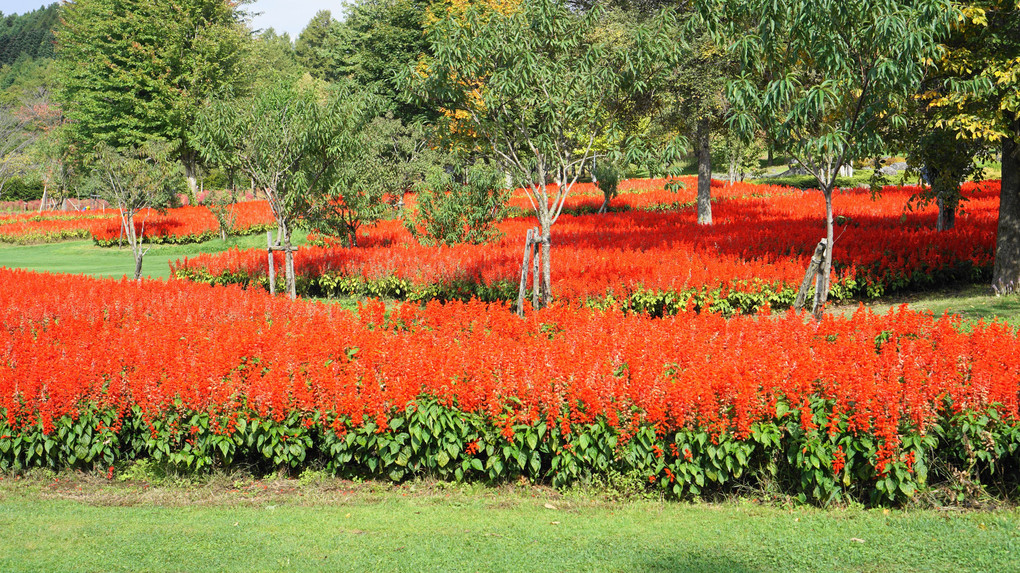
(375, 39)
(14, 139)
(312, 48)
(299, 145)
(529, 82)
(134, 70)
(135, 179)
(451, 212)
(982, 103)
(836, 72)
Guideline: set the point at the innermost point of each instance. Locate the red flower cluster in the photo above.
(187, 224)
(70, 344)
(761, 238)
(51, 226)
(181, 225)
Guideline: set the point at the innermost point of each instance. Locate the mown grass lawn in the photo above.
(85, 258)
(285, 525)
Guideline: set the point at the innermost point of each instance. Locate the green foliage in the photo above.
(741, 158)
(131, 70)
(374, 42)
(465, 211)
(962, 455)
(607, 179)
(28, 35)
(828, 93)
(312, 48)
(303, 146)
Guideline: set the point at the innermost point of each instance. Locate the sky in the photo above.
(289, 16)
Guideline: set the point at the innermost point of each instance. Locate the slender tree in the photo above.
(836, 72)
(529, 81)
(299, 145)
(134, 180)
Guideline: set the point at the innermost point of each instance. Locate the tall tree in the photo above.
(529, 80)
(312, 48)
(836, 72)
(375, 39)
(982, 103)
(133, 70)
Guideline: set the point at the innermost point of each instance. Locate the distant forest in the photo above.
(28, 35)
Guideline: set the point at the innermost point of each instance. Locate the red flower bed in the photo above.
(868, 387)
(51, 226)
(188, 224)
(758, 245)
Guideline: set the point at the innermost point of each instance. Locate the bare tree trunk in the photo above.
(546, 267)
(524, 271)
(139, 255)
(272, 263)
(288, 257)
(1006, 274)
(45, 190)
(810, 275)
(822, 285)
(536, 275)
(704, 173)
(947, 214)
(191, 172)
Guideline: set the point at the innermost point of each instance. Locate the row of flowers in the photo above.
(753, 255)
(91, 374)
(180, 225)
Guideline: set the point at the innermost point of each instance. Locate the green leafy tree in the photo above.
(135, 179)
(530, 83)
(376, 39)
(312, 48)
(837, 72)
(277, 60)
(134, 70)
(465, 211)
(981, 103)
(301, 146)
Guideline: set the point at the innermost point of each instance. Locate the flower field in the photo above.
(90, 375)
(181, 225)
(754, 255)
(188, 224)
(51, 226)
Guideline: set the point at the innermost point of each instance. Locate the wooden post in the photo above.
(812, 271)
(272, 266)
(536, 270)
(524, 272)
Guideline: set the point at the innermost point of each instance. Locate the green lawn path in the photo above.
(395, 532)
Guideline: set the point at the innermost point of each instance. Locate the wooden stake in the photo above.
(524, 272)
(812, 271)
(536, 270)
(272, 266)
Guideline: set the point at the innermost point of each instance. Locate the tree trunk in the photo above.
(138, 264)
(947, 213)
(191, 172)
(288, 258)
(1006, 274)
(704, 173)
(546, 268)
(822, 285)
(45, 189)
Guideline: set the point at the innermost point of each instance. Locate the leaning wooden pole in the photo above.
(522, 290)
(272, 266)
(536, 270)
(809, 276)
